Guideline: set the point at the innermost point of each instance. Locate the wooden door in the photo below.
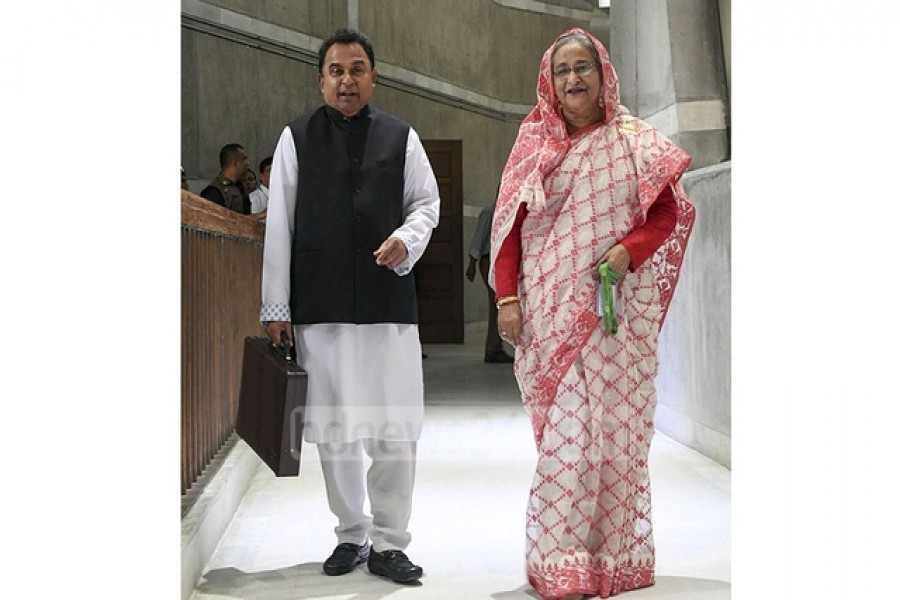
(439, 273)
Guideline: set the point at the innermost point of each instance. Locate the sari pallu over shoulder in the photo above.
(660, 163)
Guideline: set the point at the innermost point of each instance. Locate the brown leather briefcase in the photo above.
(271, 405)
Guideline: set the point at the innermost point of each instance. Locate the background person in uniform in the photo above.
(586, 184)
(480, 253)
(225, 189)
(352, 205)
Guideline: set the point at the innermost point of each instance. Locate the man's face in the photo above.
(239, 165)
(249, 181)
(264, 175)
(347, 78)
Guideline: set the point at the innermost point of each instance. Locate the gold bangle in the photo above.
(506, 300)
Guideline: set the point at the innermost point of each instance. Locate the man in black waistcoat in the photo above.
(352, 204)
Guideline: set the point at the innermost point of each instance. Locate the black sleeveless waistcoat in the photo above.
(349, 200)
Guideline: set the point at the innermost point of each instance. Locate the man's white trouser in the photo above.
(389, 483)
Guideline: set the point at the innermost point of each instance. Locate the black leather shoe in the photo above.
(498, 357)
(345, 558)
(394, 565)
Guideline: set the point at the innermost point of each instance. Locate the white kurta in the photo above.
(259, 199)
(365, 381)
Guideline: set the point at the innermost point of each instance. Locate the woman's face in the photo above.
(577, 82)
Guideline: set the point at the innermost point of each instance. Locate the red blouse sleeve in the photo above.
(506, 269)
(661, 218)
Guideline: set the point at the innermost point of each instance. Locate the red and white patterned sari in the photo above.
(589, 395)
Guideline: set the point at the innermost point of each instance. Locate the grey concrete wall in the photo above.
(725, 24)
(694, 381)
(671, 61)
(698, 67)
(249, 103)
(640, 43)
(315, 17)
(462, 44)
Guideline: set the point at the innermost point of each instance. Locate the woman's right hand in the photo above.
(509, 323)
(617, 258)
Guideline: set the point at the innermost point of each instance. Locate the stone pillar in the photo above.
(671, 65)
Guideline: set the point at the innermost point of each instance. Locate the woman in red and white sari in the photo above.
(587, 183)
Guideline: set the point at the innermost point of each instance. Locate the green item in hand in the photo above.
(606, 305)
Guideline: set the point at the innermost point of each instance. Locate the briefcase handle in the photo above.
(286, 348)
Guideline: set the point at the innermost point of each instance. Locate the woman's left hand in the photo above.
(617, 258)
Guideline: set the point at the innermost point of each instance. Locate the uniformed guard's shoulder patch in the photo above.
(628, 124)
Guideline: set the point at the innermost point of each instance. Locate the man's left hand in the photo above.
(391, 253)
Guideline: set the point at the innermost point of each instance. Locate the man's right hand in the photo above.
(470, 272)
(274, 330)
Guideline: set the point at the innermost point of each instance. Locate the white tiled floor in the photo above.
(476, 458)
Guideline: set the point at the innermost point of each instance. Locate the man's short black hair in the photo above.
(346, 36)
(227, 153)
(266, 162)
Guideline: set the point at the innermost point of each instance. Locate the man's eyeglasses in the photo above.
(581, 70)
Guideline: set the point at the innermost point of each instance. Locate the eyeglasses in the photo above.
(581, 70)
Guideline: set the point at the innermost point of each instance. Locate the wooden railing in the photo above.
(221, 265)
